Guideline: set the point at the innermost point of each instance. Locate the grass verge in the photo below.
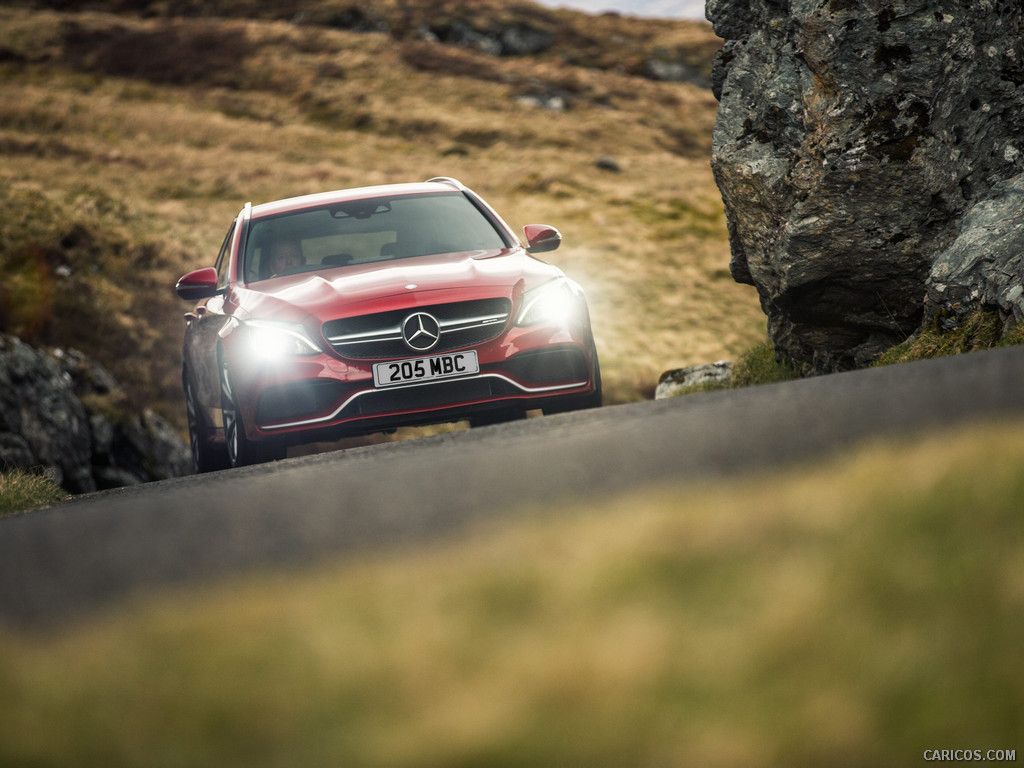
(20, 491)
(855, 612)
(982, 330)
(758, 366)
(755, 366)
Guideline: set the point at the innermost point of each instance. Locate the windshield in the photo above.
(364, 231)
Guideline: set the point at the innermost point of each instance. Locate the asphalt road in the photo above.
(66, 561)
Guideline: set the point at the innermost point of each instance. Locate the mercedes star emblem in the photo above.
(421, 331)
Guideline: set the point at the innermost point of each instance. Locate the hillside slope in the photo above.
(130, 139)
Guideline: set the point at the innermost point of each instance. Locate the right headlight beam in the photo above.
(555, 302)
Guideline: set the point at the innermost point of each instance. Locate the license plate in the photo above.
(425, 368)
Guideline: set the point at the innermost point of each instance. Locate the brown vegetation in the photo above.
(130, 139)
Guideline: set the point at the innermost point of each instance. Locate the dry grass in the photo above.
(307, 108)
(20, 491)
(982, 330)
(855, 612)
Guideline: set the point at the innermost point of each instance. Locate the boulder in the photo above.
(62, 412)
(673, 383)
(863, 151)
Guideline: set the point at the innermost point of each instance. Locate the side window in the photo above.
(224, 257)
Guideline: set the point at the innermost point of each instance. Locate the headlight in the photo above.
(271, 340)
(553, 302)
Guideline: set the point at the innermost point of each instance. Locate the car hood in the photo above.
(382, 286)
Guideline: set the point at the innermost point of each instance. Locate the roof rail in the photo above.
(447, 180)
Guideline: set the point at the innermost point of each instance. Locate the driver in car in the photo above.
(285, 255)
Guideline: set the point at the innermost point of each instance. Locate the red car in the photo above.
(364, 310)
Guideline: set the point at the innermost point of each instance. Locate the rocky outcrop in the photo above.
(42, 422)
(870, 158)
(58, 413)
(496, 40)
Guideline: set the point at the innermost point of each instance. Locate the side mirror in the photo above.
(541, 238)
(201, 284)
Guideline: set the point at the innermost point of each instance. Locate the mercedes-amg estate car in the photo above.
(364, 310)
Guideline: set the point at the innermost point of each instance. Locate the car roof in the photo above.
(358, 193)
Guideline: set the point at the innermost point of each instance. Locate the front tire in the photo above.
(241, 451)
(207, 456)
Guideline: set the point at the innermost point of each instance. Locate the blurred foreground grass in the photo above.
(855, 612)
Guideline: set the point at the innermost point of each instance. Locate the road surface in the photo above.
(60, 563)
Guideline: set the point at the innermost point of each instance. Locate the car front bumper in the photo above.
(524, 369)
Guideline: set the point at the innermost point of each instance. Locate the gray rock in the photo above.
(160, 452)
(852, 143)
(354, 19)
(102, 438)
(673, 382)
(985, 263)
(462, 34)
(44, 424)
(551, 101)
(497, 40)
(674, 71)
(87, 376)
(523, 41)
(15, 452)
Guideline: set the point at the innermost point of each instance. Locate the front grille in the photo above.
(379, 336)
